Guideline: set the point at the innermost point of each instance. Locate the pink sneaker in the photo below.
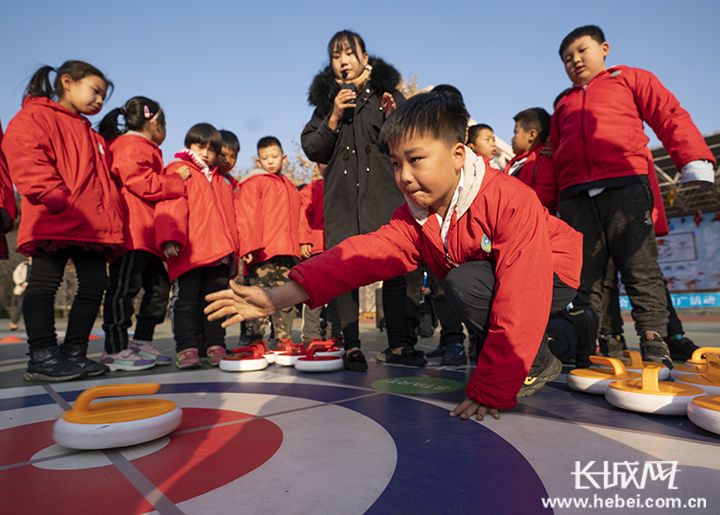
(148, 351)
(188, 358)
(215, 353)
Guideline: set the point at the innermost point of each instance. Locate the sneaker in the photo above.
(127, 359)
(188, 358)
(215, 353)
(454, 355)
(48, 364)
(437, 352)
(407, 357)
(545, 368)
(148, 351)
(612, 345)
(14, 326)
(681, 348)
(653, 348)
(355, 361)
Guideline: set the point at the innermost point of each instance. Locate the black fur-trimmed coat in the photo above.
(360, 191)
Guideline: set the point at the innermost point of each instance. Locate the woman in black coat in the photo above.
(351, 96)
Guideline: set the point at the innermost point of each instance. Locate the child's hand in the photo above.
(467, 408)
(388, 104)
(247, 258)
(171, 248)
(183, 172)
(242, 302)
(305, 250)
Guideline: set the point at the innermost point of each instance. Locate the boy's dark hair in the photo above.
(230, 140)
(588, 30)
(137, 112)
(474, 130)
(268, 141)
(204, 134)
(440, 116)
(448, 89)
(346, 37)
(40, 86)
(535, 118)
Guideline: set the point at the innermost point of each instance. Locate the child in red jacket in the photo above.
(137, 164)
(506, 263)
(601, 164)
(71, 210)
(8, 207)
(271, 226)
(532, 128)
(198, 235)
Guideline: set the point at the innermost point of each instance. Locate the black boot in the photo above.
(48, 365)
(545, 367)
(77, 354)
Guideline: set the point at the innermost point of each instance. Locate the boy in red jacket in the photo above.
(270, 246)
(506, 263)
(600, 158)
(532, 128)
(198, 235)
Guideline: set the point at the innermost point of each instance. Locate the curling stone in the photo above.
(595, 380)
(328, 348)
(314, 361)
(293, 352)
(679, 370)
(698, 355)
(704, 411)
(635, 363)
(262, 346)
(649, 395)
(105, 425)
(709, 380)
(245, 359)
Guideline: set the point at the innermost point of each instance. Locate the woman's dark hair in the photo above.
(137, 112)
(204, 134)
(347, 38)
(40, 85)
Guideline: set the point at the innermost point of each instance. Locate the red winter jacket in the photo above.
(270, 217)
(537, 172)
(524, 242)
(7, 201)
(203, 221)
(61, 168)
(597, 130)
(312, 217)
(137, 162)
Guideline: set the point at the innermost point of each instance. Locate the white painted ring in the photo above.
(118, 434)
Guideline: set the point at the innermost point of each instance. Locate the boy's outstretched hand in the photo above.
(467, 408)
(239, 303)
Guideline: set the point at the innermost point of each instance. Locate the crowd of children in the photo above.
(511, 252)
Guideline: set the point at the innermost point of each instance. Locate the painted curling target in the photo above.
(231, 441)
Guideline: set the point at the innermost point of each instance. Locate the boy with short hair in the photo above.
(532, 128)
(601, 164)
(505, 261)
(270, 246)
(481, 139)
(229, 151)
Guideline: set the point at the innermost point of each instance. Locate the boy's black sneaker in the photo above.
(545, 368)
(653, 348)
(437, 352)
(48, 364)
(355, 361)
(681, 348)
(78, 354)
(408, 356)
(454, 355)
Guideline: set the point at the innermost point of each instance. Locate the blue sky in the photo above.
(246, 65)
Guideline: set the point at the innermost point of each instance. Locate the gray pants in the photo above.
(617, 224)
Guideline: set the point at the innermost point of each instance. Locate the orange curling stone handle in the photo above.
(117, 411)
